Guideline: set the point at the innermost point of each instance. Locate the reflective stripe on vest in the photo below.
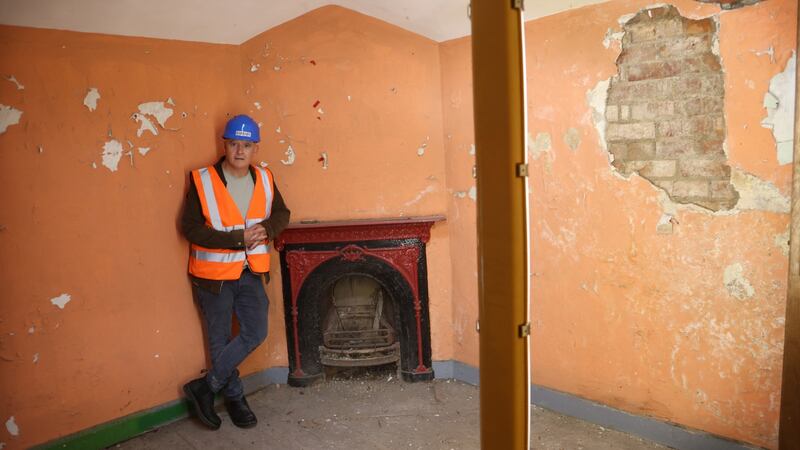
(204, 255)
(221, 214)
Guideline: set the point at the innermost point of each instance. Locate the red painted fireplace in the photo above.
(318, 257)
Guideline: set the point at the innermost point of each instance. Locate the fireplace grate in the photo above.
(355, 357)
(358, 339)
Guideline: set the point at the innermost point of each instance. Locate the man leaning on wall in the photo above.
(233, 209)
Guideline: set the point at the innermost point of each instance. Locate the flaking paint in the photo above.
(622, 314)
(779, 103)
(111, 226)
(16, 82)
(12, 427)
(91, 98)
(61, 300)
(646, 318)
(112, 153)
(8, 116)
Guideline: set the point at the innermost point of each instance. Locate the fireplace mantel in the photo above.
(392, 251)
(357, 230)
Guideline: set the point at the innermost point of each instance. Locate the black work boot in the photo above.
(241, 414)
(201, 401)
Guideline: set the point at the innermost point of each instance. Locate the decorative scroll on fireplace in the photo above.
(355, 295)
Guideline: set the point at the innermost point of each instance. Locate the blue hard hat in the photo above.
(242, 128)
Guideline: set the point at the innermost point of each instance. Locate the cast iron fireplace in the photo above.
(355, 295)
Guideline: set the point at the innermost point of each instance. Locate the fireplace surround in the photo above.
(315, 256)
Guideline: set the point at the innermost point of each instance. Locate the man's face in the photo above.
(239, 154)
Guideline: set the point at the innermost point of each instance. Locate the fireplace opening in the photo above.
(359, 325)
(356, 298)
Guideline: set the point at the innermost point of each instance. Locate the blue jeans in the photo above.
(246, 298)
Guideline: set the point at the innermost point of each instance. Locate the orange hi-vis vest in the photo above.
(222, 214)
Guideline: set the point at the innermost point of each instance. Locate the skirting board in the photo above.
(672, 435)
(124, 428)
(669, 434)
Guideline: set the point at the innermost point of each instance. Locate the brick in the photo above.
(692, 126)
(682, 147)
(713, 85)
(685, 86)
(713, 204)
(712, 148)
(708, 61)
(639, 53)
(723, 190)
(625, 113)
(704, 168)
(700, 105)
(676, 148)
(672, 68)
(652, 110)
(651, 71)
(675, 128)
(630, 131)
(685, 46)
(666, 185)
(688, 85)
(630, 166)
(690, 188)
(658, 169)
(625, 92)
(612, 113)
(655, 29)
(641, 150)
(673, 48)
(706, 203)
(619, 150)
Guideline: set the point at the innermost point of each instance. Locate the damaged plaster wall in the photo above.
(665, 108)
(667, 309)
(84, 194)
(340, 118)
(779, 103)
(351, 110)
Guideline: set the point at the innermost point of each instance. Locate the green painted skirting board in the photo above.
(669, 434)
(119, 430)
(122, 429)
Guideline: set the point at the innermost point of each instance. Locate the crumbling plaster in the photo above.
(754, 193)
(660, 332)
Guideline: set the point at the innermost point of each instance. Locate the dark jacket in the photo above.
(194, 228)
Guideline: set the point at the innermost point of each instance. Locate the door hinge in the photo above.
(518, 4)
(522, 170)
(525, 330)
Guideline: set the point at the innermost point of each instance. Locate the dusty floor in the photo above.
(375, 414)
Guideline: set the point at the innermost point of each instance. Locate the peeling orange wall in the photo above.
(130, 334)
(622, 315)
(379, 95)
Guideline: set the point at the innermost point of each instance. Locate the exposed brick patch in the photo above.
(665, 109)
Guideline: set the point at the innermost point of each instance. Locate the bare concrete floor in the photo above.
(375, 414)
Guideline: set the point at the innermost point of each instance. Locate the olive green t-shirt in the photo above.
(241, 189)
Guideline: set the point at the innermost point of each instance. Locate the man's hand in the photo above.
(255, 235)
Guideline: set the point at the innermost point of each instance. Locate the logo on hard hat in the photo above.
(243, 133)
